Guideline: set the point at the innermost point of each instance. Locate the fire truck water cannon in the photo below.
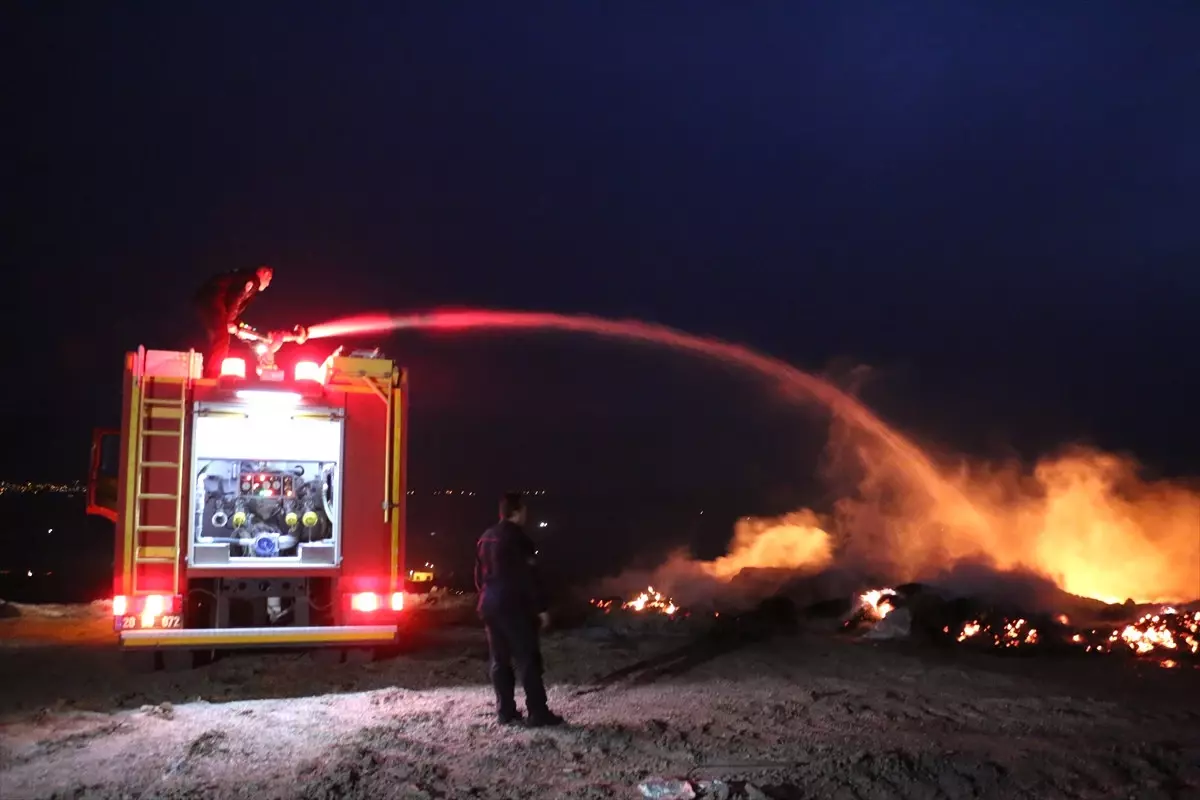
(267, 345)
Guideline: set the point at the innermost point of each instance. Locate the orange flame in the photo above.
(1083, 520)
(651, 600)
(877, 603)
(793, 541)
(1154, 632)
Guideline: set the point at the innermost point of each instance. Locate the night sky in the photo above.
(993, 206)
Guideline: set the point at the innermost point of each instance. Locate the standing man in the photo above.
(221, 301)
(513, 607)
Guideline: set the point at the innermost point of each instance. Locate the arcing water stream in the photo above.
(1084, 519)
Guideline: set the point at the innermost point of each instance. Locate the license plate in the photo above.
(134, 622)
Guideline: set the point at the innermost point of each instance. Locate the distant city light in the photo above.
(543, 524)
(32, 487)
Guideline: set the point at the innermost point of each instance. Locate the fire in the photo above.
(653, 601)
(1160, 631)
(1164, 631)
(1084, 520)
(793, 541)
(1009, 633)
(877, 603)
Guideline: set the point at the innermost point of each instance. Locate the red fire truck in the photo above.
(260, 511)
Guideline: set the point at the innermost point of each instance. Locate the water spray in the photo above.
(796, 383)
(1073, 526)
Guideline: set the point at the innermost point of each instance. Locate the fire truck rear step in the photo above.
(199, 638)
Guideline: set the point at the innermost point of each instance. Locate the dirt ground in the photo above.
(807, 714)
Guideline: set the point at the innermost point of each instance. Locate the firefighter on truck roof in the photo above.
(513, 607)
(221, 301)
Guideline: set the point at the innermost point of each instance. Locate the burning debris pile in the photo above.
(650, 601)
(1162, 634)
(648, 610)
(1003, 632)
(1165, 634)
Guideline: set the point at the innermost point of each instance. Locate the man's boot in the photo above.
(544, 718)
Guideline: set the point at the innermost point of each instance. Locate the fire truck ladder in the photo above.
(172, 409)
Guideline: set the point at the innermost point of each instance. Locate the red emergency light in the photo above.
(233, 368)
(368, 602)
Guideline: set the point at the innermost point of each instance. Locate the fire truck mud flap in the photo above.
(220, 638)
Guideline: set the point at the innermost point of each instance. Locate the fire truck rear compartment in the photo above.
(265, 486)
(264, 509)
(233, 497)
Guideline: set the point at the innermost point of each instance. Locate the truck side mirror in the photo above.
(104, 474)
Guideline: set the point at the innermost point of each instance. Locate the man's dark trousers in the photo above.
(215, 318)
(513, 637)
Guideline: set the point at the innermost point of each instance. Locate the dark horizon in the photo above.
(991, 209)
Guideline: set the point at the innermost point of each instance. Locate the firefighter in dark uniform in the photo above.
(221, 301)
(513, 606)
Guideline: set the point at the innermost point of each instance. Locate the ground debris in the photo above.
(162, 710)
(799, 713)
(667, 789)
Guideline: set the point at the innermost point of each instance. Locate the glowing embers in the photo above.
(649, 601)
(233, 368)
(1006, 633)
(1154, 635)
(1162, 632)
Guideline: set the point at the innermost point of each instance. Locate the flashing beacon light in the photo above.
(308, 371)
(233, 367)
